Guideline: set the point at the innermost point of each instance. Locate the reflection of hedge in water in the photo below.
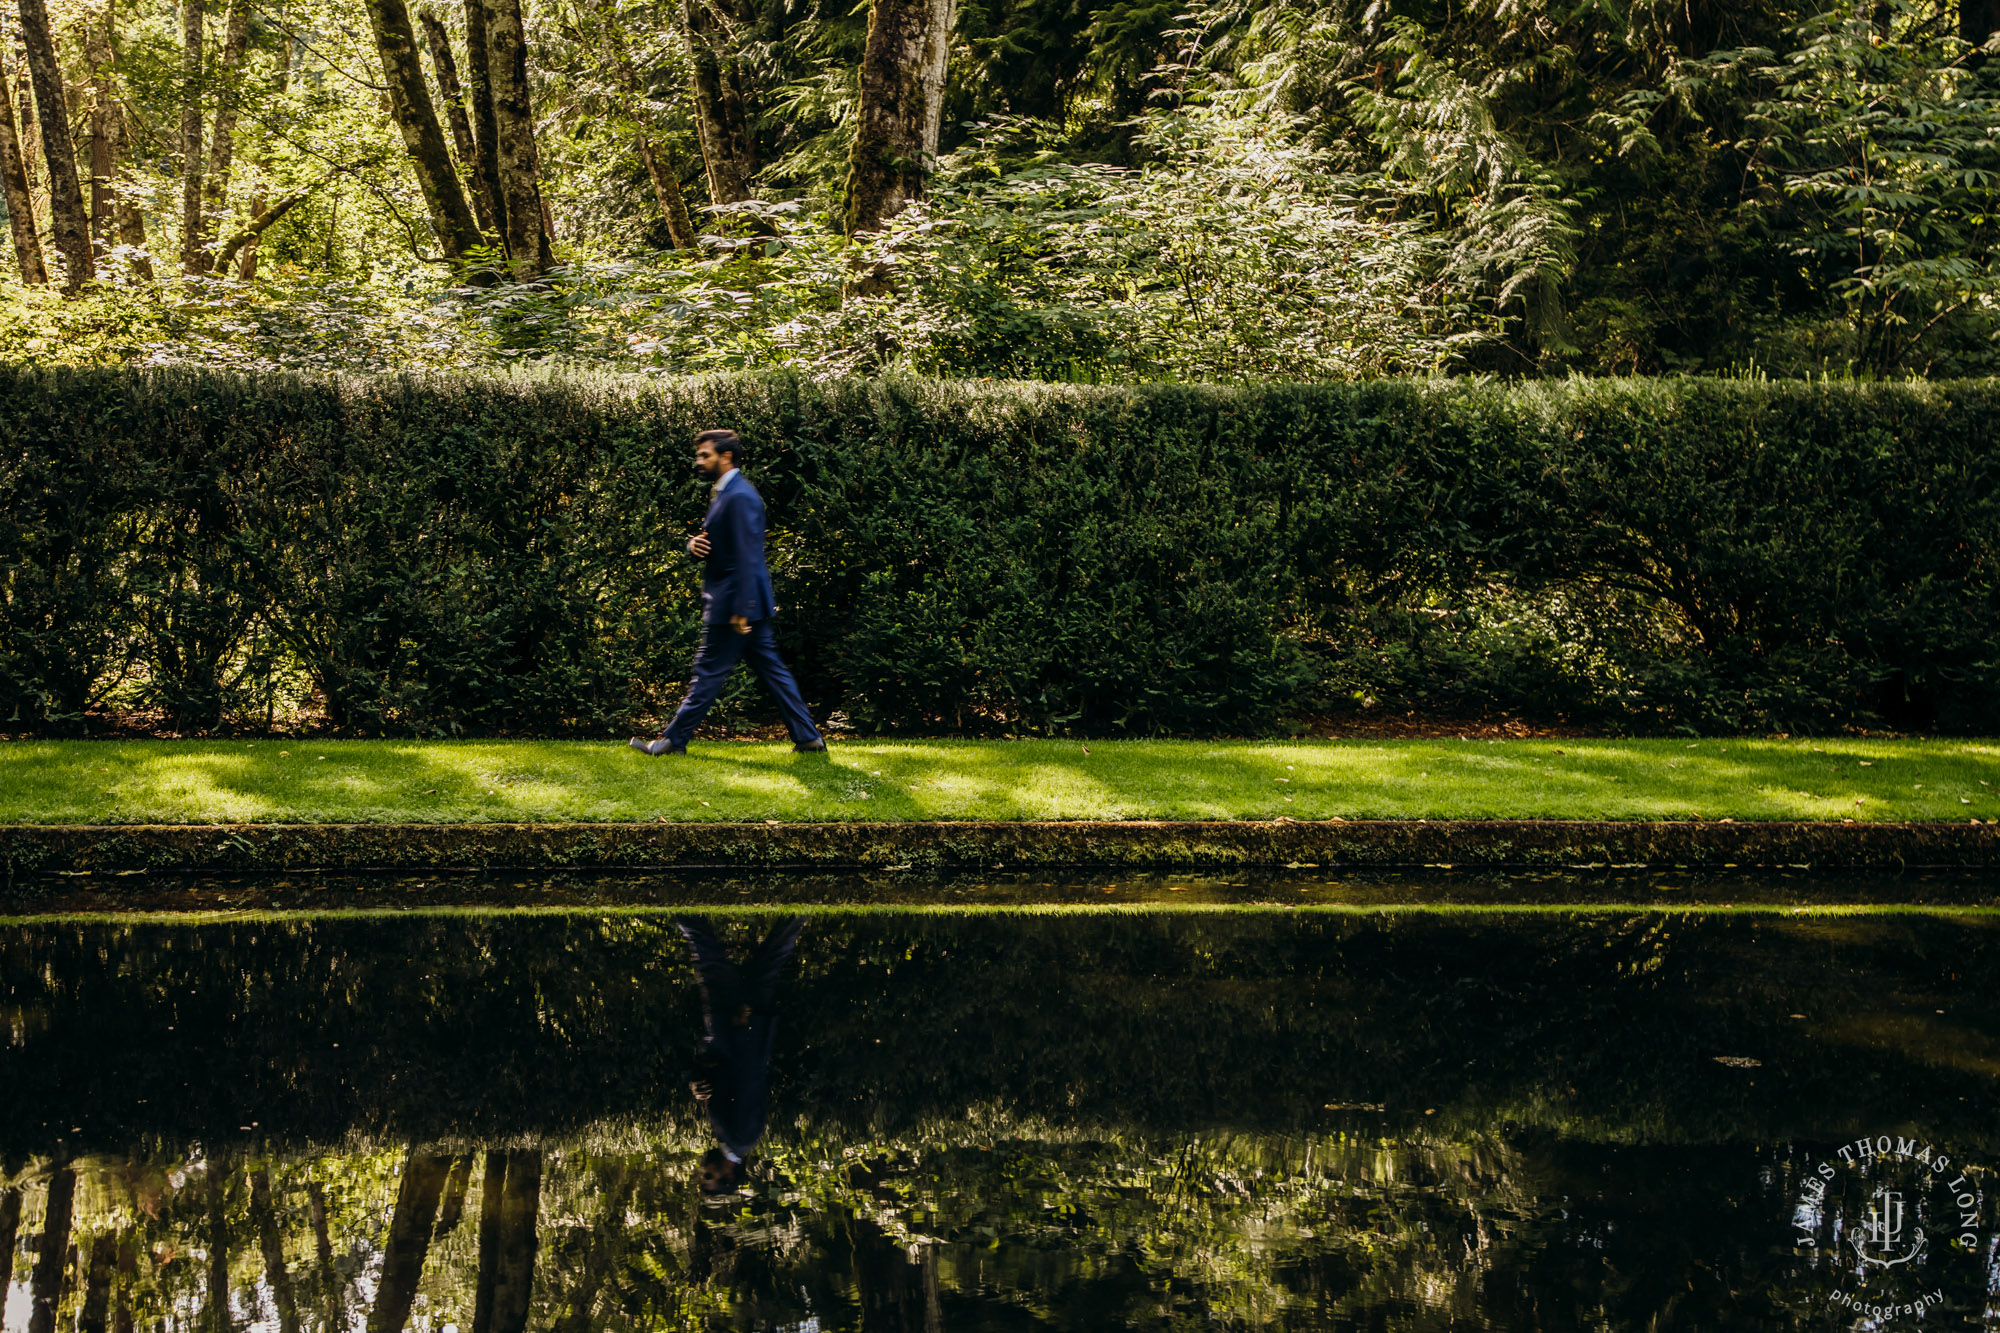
(960, 1226)
(506, 554)
(1599, 1026)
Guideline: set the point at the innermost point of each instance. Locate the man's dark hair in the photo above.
(723, 442)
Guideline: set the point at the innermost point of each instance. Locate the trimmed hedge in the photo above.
(433, 555)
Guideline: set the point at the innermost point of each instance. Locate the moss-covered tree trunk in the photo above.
(485, 124)
(720, 117)
(1978, 20)
(902, 97)
(45, 1286)
(10, 1230)
(409, 1242)
(194, 248)
(520, 194)
(69, 222)
(19, 196)
(277, 1275)
(99, 1266)
(416, 119)
(228, 90)
(446, 66)
(104, 134)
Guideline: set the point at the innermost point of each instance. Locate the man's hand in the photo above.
(741, 624)
(698, 545)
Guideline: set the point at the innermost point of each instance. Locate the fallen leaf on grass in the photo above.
(1738, 1061)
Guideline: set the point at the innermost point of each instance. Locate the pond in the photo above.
(1300, 1103)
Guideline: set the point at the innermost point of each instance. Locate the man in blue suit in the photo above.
(737, 605)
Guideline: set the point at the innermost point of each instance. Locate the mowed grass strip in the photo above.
(407, 781)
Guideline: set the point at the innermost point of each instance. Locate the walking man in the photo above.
(738, 1019)
(737, 605)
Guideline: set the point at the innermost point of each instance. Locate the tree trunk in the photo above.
(45, 1288)
(659, 169)
(228, 92)
(1978, 20)
(20, 200)
(485, 122)
(217, 1240)
(453, 1207)
(718, 109)
(128, 1274)
(492, 1201)
(104, 135)
(454, 110)
(245, 237)
(10, 1227)
(667, 189)
(523, 235)
(93, 1315)
(409, 1240)
(258, 202)
(410, 101)
(902, 98)
(271, 1241)
(194, 253)
(509, 1206)
(332, 1290)
(69, 223)
(520, 1211)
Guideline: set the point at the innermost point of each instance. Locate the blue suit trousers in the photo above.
(721, 649)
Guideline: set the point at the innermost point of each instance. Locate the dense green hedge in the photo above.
(431, 555)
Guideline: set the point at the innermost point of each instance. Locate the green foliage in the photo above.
(441, 554)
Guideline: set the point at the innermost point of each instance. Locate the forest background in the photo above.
(1100, 190)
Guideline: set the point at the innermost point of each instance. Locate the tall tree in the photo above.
(1978, 20)
(264, 1216)
(45, 1287)
(194, 250)
(523, 233)
(217, 1240)
(509, 1208)
(485, 122)
(103, 133)
(416, 118)
(258, 201)
(100, 1264)
(454, 109)
(453, 1207)
(19, 197)
(659, 167)
(10, 1229)
(332, 1288)
(128, 1274)
(69, 223)
(902, 100)
(720, 117)
(409, 1239)
(228, 93)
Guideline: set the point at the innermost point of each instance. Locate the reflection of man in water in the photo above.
(737, 1027)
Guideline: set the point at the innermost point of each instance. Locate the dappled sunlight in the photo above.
(479, 781)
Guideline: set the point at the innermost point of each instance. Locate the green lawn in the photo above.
(388, 781)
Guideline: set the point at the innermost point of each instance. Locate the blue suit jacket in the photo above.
(736, 581)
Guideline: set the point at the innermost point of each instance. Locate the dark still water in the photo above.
(1460, 1119)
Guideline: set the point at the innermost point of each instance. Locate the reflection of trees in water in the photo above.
(959, 1222)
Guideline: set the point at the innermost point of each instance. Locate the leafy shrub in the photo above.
(445, 554)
